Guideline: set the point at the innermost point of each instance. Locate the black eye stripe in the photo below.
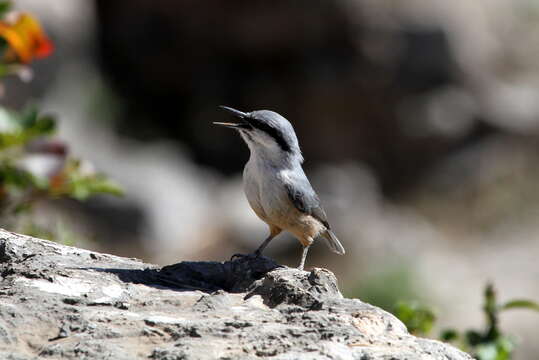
(274, 133)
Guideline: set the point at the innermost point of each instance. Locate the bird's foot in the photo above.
(256, 254)
(240, 256)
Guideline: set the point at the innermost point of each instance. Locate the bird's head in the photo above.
(265, 132)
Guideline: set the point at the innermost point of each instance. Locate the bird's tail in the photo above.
(333, 243)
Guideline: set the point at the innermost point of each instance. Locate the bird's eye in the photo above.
(271, 131)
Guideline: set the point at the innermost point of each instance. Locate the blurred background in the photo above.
(419, 122)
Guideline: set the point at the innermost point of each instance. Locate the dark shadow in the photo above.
(208, 276)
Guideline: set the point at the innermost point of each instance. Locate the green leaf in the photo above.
(418, 319)
(487, 351)
(83, 188)
(473, 338)
(520, 304)
(505, 345)
(490, 351)
(449, 335)
(5, 6)
(44, 125)
(21, 127)
(28, 116)
(15, 178)
(500, 349)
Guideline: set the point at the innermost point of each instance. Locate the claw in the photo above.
(239, 256)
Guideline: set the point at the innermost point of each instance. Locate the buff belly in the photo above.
(276, 210)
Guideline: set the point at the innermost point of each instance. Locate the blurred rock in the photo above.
(63, 302)
(174, 62)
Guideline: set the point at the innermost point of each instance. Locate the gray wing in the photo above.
(302, 195)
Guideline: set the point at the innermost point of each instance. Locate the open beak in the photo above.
(229, 125)
(235, 112)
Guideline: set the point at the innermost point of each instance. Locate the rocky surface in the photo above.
(64, 302)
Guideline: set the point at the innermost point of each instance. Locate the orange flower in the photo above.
(25, 38)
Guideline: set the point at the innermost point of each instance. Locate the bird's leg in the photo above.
(262, 246)
(258, 251)
(303, 257)
(274, 231)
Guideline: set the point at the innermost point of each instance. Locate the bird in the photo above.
(275, 184)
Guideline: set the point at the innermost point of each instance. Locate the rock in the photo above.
(62, 302)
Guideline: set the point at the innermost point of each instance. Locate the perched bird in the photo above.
(274, 182)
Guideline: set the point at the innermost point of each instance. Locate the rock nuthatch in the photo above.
(274, 182)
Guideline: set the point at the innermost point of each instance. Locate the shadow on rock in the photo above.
(209, 276)
(262, 276)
